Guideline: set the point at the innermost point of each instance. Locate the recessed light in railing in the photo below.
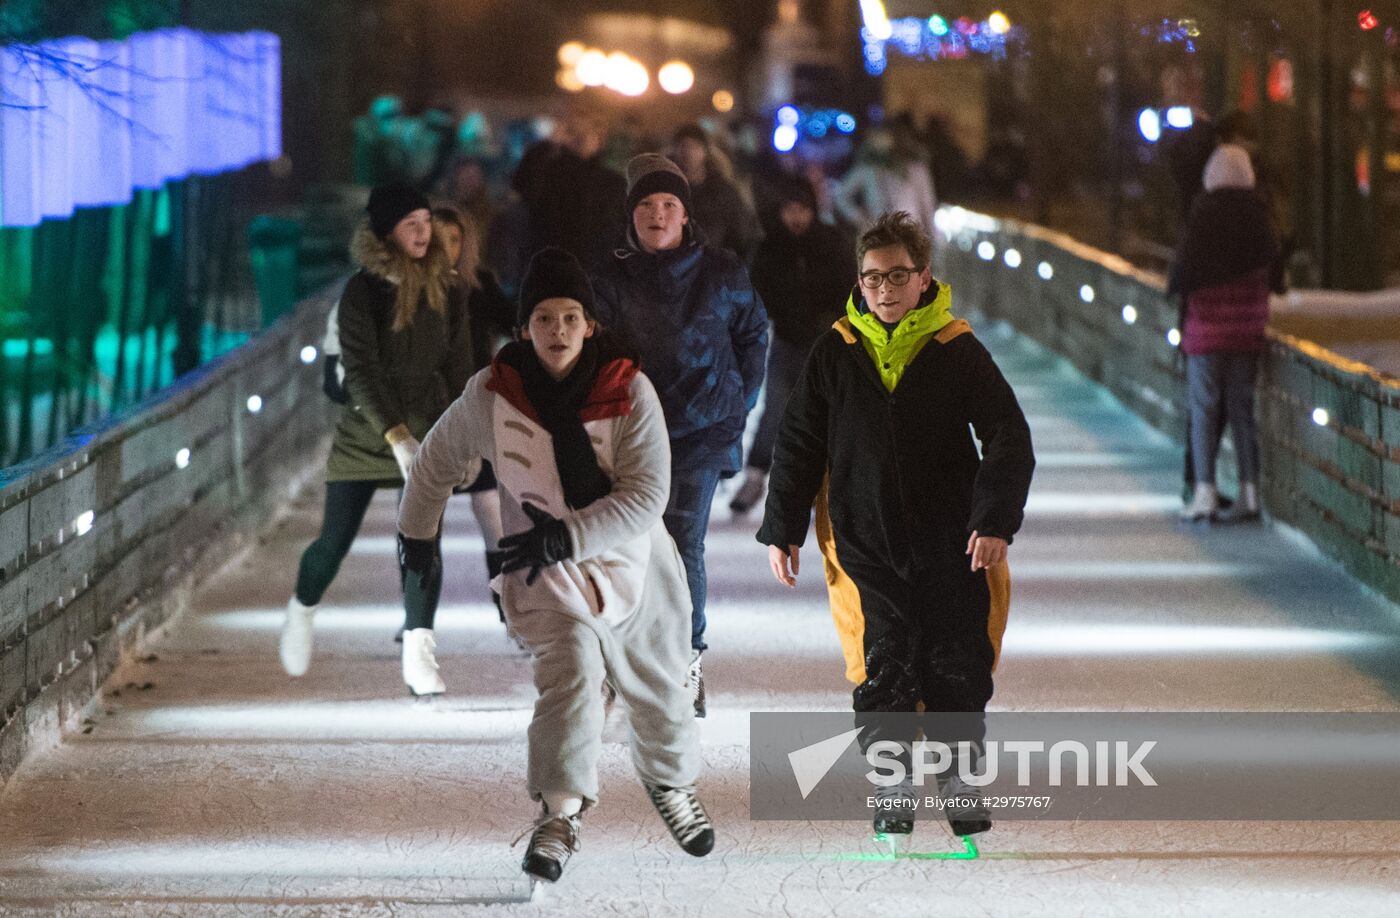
(1012, 258)
(1174, 338)
(1086, 293)
(255, 404)
(1130, 314)
(1320, 417)
(308, 354)
(986, 251)
(1046, 270)
(182, 458)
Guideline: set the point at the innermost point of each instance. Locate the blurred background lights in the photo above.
(1180, 117)
(568, 79)
(723, 100)
(1045, 270)
(676, 77)
(592, 68)
(1174, 338)
(845, 123)
(308, 354)
(999, 23)
(571, 52)
(1367, 20)
(1086, 293)
(986, 251)
(789, 116)
(1321, 417)
(1012, 258)
(784, 138)
(1150, 125)
(877, 21)
(938, 25)
(83, 524)
(1130, 314)
(255, 404)
(182, 458)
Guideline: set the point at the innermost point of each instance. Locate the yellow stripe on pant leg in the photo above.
(999, 585)
(846, 611)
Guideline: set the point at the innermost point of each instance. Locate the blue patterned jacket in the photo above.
(701, 331)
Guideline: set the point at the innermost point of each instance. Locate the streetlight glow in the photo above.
(676, 77)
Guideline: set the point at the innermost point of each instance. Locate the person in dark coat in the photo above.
(1226, 267)
(725, 218)
(570, 196)
(690, 312)
(914, 521)
(803, 272)
(406, 349)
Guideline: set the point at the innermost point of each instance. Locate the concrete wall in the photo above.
(106, 536)
(1337, 481)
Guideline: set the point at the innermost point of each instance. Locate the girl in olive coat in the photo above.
(406, 348)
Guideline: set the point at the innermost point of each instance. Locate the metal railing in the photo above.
(1329, 426)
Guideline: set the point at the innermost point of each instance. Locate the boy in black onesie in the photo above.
(913, 524)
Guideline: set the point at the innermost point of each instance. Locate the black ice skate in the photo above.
(963, 806)
(554, 839)
(690, 825)
(894, 811)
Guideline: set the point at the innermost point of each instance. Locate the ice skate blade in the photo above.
(425, 698)
(537, 889)
(897, 851)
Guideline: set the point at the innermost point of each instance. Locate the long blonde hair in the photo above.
(428, 278)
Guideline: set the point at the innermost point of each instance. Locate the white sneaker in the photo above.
(1204, 504)
(420, 669)
(295, 645)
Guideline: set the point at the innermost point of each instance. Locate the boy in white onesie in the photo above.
(591, 582)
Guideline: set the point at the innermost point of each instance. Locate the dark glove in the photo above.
(545, 544)
(416, 555)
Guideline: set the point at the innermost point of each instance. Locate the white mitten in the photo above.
(404, 451)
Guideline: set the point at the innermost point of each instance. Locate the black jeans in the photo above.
(346, 503)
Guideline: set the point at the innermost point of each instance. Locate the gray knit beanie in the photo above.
(652, 173)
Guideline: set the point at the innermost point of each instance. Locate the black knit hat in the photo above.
(652, 173)
(553, 272)
(388, 204)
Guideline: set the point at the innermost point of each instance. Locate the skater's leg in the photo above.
(346, 503)
(647, 659)
(1204, 396)
(687, 517)
(421, 592)
(1241, 371)
(565, 735)
(955, 658)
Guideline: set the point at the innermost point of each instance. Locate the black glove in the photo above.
(416, 555)
(545, 544)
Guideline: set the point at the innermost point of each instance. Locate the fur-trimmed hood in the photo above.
(373, 255)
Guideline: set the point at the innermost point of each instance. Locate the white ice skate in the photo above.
(294, 648)
(420, 669)
(690, 825)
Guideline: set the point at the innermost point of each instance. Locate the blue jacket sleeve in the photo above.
(748, 330)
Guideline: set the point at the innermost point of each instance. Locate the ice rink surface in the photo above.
(207, 782)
